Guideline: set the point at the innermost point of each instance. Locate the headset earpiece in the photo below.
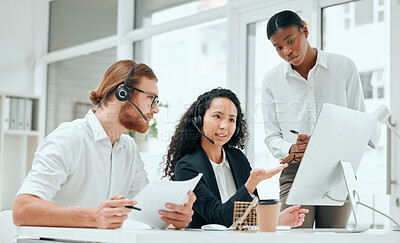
(122, 93)
(198, 121)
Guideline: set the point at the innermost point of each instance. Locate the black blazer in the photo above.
(208, 207)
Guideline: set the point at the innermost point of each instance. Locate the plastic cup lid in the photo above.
(268, 201)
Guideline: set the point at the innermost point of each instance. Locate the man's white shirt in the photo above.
(291, 102)
(76, 165)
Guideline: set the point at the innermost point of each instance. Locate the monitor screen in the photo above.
(340, 134)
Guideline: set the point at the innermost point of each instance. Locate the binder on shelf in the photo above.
(13, 113)
(21, 114)
(6, 113)
(28, 114)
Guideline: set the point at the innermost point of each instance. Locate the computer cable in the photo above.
(365, 205)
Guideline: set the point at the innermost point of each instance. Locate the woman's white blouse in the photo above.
(223, 175)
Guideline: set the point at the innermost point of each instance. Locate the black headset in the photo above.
(123, 94)
(197, 122)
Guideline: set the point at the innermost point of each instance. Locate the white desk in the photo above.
(187, 236)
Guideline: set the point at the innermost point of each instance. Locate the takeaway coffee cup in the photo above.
(268, 214)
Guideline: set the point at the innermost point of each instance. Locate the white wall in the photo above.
(17, 47)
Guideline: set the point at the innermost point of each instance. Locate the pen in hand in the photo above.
(133, 207)
(297, 133)
(299, 147)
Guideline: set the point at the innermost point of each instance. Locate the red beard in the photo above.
(130, 118)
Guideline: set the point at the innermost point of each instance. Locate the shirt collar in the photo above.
(224, 161)
(95, 125)
(322, 60)
(287, 69)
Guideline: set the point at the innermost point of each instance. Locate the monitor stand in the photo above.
(350, 181)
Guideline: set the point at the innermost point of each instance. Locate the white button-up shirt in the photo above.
(76, 165)
(224, 178)
(291, 102)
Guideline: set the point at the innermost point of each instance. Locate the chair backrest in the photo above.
(7, 228)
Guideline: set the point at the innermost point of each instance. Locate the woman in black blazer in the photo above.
(207, 140)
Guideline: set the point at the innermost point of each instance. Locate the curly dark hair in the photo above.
(186, 137)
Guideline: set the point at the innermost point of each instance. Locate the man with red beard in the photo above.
(84, 171)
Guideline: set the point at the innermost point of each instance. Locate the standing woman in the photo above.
(293, 94)
(207, 140)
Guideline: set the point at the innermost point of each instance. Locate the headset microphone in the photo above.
(197, 122)
(123, 94)
(198, 129)
(144, 117)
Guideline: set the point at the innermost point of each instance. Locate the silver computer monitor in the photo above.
(340, 134)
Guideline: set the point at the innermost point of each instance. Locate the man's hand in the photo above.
(258, 175)
(292, 216)
(181, 216)
(112, 212)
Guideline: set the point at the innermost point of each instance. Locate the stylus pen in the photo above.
(133, 207)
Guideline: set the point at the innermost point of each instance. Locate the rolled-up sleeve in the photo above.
(54, 160)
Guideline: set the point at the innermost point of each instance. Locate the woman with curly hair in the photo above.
(208, 140)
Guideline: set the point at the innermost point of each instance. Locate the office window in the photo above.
(347, 23)
(373, 84)
(366, 83)
(372, 65)
(74, 22)
(380, 9)
(69, 84)
(381, 16)
(261, 57)
(359, 13)
(364, 12)
(152, 12)
(187, 62)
